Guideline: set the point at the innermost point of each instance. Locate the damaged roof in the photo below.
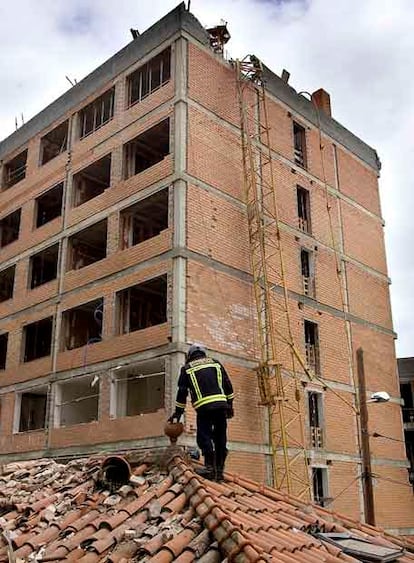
(98, 509)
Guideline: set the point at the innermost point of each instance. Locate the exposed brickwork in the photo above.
(214, 286)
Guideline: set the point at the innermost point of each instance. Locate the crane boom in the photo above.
(279, 383)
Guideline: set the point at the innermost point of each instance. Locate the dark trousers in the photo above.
(212, 435)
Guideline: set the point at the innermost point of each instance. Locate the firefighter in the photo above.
(212, 397)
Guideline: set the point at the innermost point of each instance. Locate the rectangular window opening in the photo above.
(92, 180)
(147, 149)
(49, 205)
(77, 401)
(82, 325)
(304, 217)
(97, 113)
(4, 339)
(408, 408)
(142, 305)
(7, 283)
(32, 410)
(308, 273)
(144, 220)
(88, 246)
(312, 346)
(9, 228)
(299, 137)
(148, 78)
(15, 170)
(37, 339)
(139, 389)
(320, 485)
(54, 143)
(43, 266)
(315, 419)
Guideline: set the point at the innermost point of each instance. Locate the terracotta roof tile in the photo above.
(54, 511)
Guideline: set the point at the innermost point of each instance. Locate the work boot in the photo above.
(208, 471)
(219, 473)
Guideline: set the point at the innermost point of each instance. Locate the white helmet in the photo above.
(196, 349)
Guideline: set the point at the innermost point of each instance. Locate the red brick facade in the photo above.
(205, 255)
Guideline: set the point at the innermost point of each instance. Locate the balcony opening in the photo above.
(315, 419)
(31, 410)
(82, 325)
(308, 272)
(77, 401)
(49, 205)
(9, 228)
(92, 181)
(312, 346)
(37, 338)
(87, 246)
(304, 216)
(43, 266)
(54, 143)
(148, 78)
(144, 220)
(142, 305)
(15, 170)
(299, 139)
(320, 486)
(4, 339)
(408, 408)
(7, 283)
(138, 389)
(147, 149)
(97, 113)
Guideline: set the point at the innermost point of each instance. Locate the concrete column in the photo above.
(179, 197)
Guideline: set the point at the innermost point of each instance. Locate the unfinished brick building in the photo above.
(123, 237)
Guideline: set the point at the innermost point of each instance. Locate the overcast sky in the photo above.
(360, 51)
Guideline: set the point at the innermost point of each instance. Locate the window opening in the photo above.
(15, 170)
(304, 218)
(7, 283)
(43, 266)
(145, 219)
(148, 78)
(33, 410)
(97, 113)
(9, 228)
(308, 277)
(140, 389)
(407, 396)
(315, 419)
(4, 338)
(77, 401)
(312, 346)
(319, 482)
(147, 149)
(49, 205)
(54, 143)
(92, 181)
(37, 339)
(143, 305)
(88, 246)
(299, 136)
(83, 324)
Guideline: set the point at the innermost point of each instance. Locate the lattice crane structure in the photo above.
(279, 382)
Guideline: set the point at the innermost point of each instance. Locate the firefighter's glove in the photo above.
(230, 411)
(173, 418)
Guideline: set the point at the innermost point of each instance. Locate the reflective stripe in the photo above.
(231, 396)
(195, 384)
(219, 378)
(180, 405)
(210, 399)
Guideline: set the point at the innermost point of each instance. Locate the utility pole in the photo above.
(365, 449)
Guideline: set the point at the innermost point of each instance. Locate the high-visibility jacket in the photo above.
(208, 384)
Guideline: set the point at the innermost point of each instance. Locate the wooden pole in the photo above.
(365, 449)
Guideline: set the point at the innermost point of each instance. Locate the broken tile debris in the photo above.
(54, 511)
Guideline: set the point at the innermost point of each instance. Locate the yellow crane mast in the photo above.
(279, 383)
